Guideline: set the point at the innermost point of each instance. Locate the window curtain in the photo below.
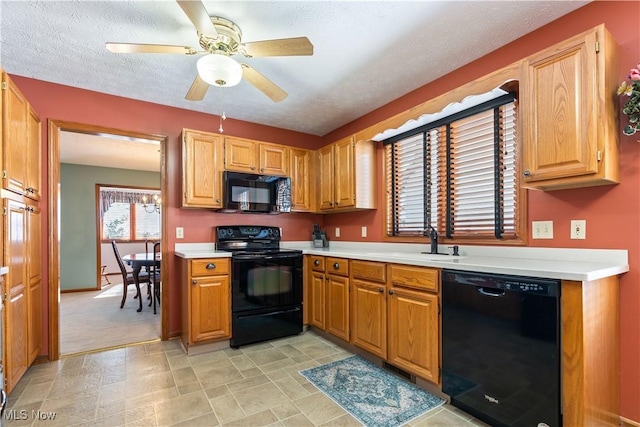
(110, 196)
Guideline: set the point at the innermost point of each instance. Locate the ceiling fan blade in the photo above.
(263, 84)
(197, 13)
(149, 48)
(198, 90)
(296, 46)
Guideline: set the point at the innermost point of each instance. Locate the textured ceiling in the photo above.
(366, 54)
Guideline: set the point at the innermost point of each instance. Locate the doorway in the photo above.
(57, 130)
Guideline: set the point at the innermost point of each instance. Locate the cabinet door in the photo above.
(202, 155)
(300, 169)
(34, 156)
(274, 159)
(338, 306)
(559, 111)
(414, 331)
(369, 309)
(14, 137)
(210, 308)
(34, 274)
(317, 300)
(344, 186)
(240, 155)
(326, 179)
(16, 289)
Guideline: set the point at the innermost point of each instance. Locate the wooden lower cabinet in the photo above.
(396, 315)
(328, 302)
(369, 306)
(414, 332)
(206, 300)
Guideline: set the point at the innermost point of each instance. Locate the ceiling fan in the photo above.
(221, 38)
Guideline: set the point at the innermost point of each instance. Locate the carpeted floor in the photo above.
(94, 320)
(370, 394)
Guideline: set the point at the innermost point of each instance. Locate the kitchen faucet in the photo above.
(433, 236)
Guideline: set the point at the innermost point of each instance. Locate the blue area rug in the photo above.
(373, 396)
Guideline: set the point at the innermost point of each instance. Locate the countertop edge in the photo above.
(544, 268)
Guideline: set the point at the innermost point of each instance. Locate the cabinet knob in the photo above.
(217, 200)
(253, 168)
(194, 282)
(330, 203)
(210, 266)
(336, 266)
(337, 203)
(390, 291)
(261, 169)
(526, 173)
(316, 262)
(381, 290)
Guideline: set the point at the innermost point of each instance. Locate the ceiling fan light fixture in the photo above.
(219, 70)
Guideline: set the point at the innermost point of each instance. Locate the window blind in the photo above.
(457, 175)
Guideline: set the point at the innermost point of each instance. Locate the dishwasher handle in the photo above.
(492, 293)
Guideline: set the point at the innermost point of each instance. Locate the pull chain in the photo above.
(223, 116)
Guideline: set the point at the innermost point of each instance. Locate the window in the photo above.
(127, 216)
(457, 174)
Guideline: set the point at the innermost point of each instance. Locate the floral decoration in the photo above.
(632, 107)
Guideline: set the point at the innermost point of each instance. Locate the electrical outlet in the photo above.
(578, 229)
(337, 231)
(542, 229)
(179, 233)
(364, 231)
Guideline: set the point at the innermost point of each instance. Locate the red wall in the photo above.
(612, 212)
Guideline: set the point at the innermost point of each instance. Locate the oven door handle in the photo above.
(272, 313)
(243, 257)
(492, 294)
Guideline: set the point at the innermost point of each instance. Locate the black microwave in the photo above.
(247, 192)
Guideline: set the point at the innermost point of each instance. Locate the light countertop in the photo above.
(555, 263)
(4, 270)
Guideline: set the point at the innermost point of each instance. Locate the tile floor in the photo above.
(157, 384)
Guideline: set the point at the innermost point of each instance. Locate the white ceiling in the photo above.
(366, 53)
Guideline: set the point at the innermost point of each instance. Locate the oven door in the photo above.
(266, 281)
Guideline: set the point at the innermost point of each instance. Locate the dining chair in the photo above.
(127, 276)
(156, 276)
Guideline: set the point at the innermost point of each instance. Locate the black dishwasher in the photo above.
(501, 347)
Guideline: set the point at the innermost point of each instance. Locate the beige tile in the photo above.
(291, 388)
(440, 418)
(219, 376)
(226, 408)
(263, 418)
(318, 408)
(286, 410)
(246, 383)
(182, 408)
(297, 421)
(184, 376)
(260, 398)
(136, 386)
(345, 420)
(242, 362)
(34, 392)
(266, 356)
(189, 388)
(206, 420)
(217, 391)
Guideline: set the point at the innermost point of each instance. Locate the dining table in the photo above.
(147, 260)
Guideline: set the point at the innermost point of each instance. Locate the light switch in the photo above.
(337, 231)
(179, 233)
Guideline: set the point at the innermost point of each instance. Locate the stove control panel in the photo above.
(247, 232)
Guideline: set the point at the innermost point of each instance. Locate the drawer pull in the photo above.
(390, 291)
(210, 266)
(316, 262)
(194, 282)
(381, 290)
(336, 266)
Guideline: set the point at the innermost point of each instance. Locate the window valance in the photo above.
(108, 196)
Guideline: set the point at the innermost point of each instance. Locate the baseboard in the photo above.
(41, 358)
(68, 291)
(626, 422)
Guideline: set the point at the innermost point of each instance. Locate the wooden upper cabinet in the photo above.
(202, 165)
(325, 178)
(15, 136)
(569, 113)
(21, 143)
(245, 155)
(34, 156)
(300, 169)
(347, 176)
(344, 170)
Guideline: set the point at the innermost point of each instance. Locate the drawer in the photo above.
(316, 263)
(369, 271)
(427, 279)
(209, 267)
(339, 266)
